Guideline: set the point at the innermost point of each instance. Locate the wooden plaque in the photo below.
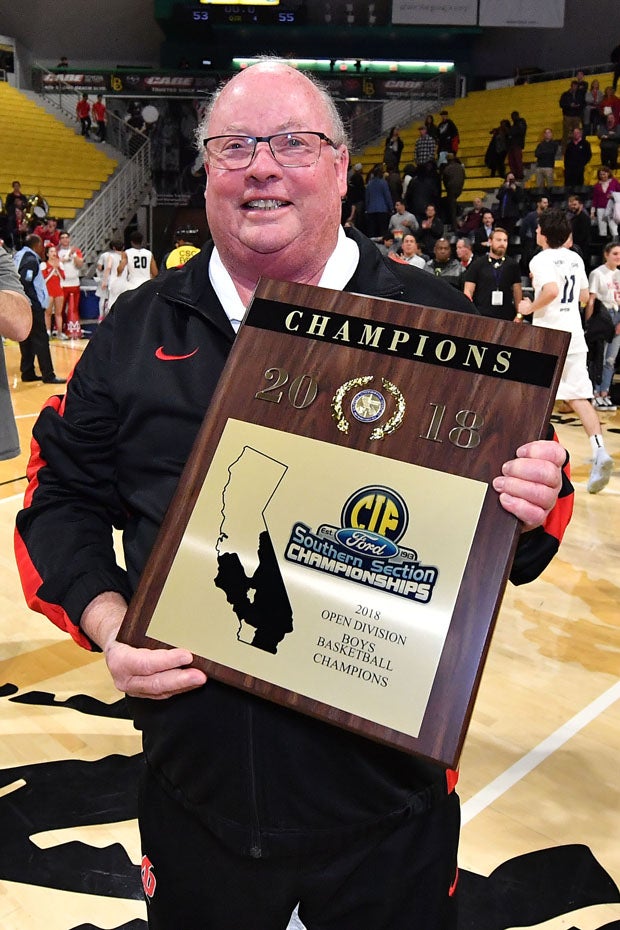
(334, 544)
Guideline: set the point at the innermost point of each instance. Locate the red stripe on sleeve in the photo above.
(452, 776)
(559, 518)
(31, 583)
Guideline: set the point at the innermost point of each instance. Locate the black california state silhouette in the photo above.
(269, 610)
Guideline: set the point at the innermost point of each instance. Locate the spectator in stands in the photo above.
(17, 223)
(609, 134)
(581, 228)
(453, 179)
(603, 202)
(425, 146)
(411, 252)
(482, 235)
(572, 105)
(493, 281)
(72, 261)
(443, 265)
(101, 117)
(63, 63)
(545, 153)
(527, 233)
(54, 276)
(36, 345)
(516, 144)
(378, 204)
(16, 226)
(82, 113)
(48, 232)
(611, 102)
(402, 221)
(356, 190)
(472, 219)
(408, 174)
(387, 246)
(431, 128)
(582, 84)
(395, 185)
(604, 286)
(393, 149)
(508, 208)
(423, 189)
(447, 138)
(431, 229)
(577, 154)
(592, 114)
(14, 194)
(495, 156)
(464, 252)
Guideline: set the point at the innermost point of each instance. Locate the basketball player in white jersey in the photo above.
(139, 262)
(560, 285)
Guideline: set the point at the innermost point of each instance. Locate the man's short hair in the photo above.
(466, 242)
(33, 240)
(338, 132)
(136, 238)
(498, 229)
(555, 227)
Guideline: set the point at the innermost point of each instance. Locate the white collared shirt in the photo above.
(340, 268)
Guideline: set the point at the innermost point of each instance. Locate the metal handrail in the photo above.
(541, 76)
(368, 127)
(120, 197)
(112, 207)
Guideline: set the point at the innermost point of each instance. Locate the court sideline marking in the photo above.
(527, 763)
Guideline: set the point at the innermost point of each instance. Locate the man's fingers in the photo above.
(154, 673)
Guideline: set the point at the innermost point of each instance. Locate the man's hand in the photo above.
(530, 483)
(152, 673)
(524, 307)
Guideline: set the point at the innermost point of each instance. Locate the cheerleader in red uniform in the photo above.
(54, 275)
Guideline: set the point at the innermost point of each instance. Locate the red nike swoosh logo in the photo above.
(159, 353)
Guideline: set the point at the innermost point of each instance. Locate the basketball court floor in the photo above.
(539, 774)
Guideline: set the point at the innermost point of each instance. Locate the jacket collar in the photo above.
(190, 286)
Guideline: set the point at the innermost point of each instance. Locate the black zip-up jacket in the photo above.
(265, 779)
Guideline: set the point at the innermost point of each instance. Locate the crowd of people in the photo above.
(491, 250)
(50, 267)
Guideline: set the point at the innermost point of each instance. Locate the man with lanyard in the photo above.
(257, 806)
(493, 281)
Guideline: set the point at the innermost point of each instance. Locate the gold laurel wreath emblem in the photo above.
(379, 431)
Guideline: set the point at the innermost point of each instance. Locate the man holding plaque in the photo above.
(248, 809)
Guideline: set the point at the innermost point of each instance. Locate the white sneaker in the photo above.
(600, 474)
(604, 403)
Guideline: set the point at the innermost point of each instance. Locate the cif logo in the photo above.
(373, 520)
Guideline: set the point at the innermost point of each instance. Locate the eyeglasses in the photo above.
(290, 149)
